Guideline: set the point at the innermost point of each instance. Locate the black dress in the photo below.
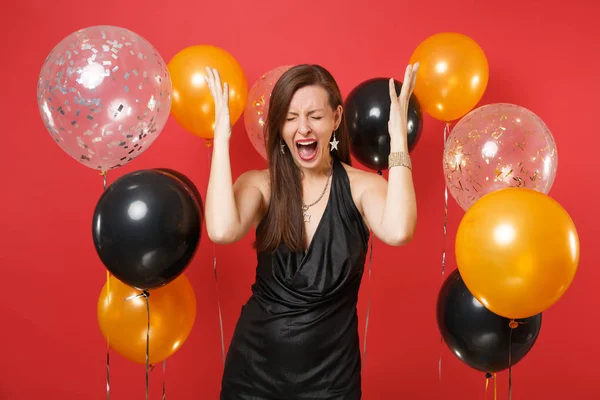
(297, 336)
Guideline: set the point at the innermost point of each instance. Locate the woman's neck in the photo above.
(319, 172)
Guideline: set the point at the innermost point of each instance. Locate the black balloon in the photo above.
(477, 336)
(367, 110)
(146, 228)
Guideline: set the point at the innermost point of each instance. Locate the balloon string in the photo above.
(440, 360)
(512, 325)
(489, 376)
(164, 389)
(495, 386)
(107, 369)
(368, 300)
(208, 159)
(103, 174)
(107, 271)
(145, 294)
(446, 131)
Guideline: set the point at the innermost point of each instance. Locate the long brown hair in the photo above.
(283, 222)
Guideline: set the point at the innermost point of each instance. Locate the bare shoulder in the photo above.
(363, 181)
(258, 179)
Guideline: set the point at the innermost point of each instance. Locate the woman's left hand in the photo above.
(398, 122)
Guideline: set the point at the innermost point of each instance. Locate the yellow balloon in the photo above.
(125, 322)
(452, 77)
(193, 106)
(517, 251)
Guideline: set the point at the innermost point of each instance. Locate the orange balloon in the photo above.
(452, 77)
(517, 251)
(193, 106)
(125, 322)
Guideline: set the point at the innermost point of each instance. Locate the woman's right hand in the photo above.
(220, 95)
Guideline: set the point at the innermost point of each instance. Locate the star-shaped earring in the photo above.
(334, 143)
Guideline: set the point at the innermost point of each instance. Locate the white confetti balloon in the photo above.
(104, 94)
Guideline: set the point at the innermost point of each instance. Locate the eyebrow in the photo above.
(310, 112)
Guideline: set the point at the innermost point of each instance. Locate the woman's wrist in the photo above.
(222, 139)
(398, 143)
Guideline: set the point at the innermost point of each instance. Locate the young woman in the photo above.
(297, 336)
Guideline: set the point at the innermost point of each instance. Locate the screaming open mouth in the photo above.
(307, 149)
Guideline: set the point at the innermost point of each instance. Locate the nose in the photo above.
(304, 126)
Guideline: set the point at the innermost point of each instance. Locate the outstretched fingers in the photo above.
(393, 94)
(218, 83)
(405, 91)
(413, 80)
(210, 81)
(213, 81)
(410, 79)
(225, 100)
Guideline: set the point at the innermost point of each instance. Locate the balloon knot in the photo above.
(379, 172)
(488, 375)
(208, 142)
(144, 294)
(513, 324)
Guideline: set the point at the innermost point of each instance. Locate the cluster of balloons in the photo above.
(452, 78)
(517, 252)
(367, 110)
(517, 249)
(105, 95)
(146, 229)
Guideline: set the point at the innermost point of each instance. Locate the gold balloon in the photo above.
(125, 322)
(517, 251)
(193, 106)
(452, 77)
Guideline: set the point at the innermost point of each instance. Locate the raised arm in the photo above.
(230, 209)
(390, 208)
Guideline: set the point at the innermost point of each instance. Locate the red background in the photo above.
(542, 56)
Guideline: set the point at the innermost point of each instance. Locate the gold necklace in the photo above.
(305, 207)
